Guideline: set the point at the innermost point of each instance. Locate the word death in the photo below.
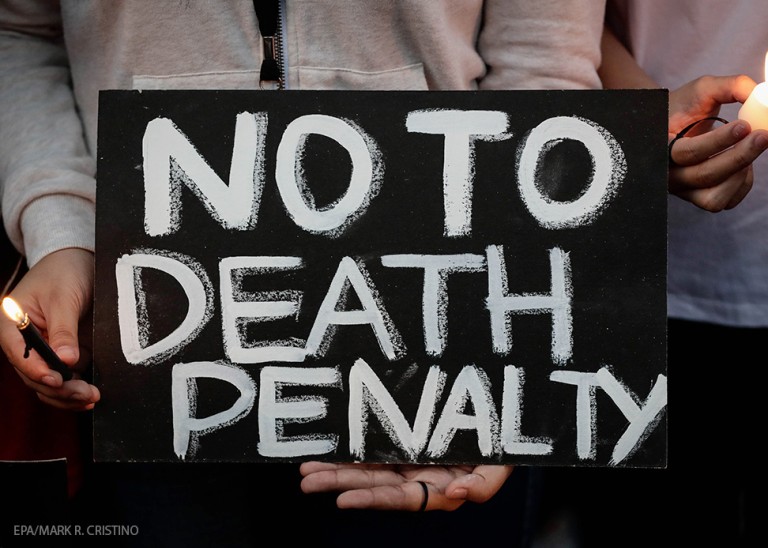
(380, 277)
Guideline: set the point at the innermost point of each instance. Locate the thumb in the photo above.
(62, 319)
(481, 485)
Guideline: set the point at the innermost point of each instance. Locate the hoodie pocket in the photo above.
(410, 77)
(241, 79)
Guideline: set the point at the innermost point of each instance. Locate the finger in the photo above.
(62, 319)
(312, 467)
(693, 150)
(481, 485)
(32, 368)
(723, 196)
(75, 390)
(742, 190)
(77, 398)
(67, 405)
(407, 496)
(703, 97)
(729, 89)
(349, 478)
(719, 167)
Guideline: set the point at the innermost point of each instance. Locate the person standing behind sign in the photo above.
(717, 271)
(53, 62)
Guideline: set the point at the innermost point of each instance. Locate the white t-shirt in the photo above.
(718, 263)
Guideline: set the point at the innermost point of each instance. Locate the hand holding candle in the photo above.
(755, 109)
(712, 169)
(34, 339)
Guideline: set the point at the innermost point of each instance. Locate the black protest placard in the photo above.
(447, 277)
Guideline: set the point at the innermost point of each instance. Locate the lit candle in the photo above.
(34, 339)
(755, 109)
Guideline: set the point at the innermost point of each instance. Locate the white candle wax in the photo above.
(755, 109)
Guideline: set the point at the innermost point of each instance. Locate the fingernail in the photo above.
(66, 353)
(50, 381)
(459, 494)
(739, 130)
(761, 141)
(80, 397)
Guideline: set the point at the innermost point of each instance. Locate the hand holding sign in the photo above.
(398, 487)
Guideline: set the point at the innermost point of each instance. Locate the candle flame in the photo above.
(13, 311)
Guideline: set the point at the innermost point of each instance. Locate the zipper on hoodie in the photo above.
(269, 14)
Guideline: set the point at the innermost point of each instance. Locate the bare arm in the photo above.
(618, 69)
(47, 187)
